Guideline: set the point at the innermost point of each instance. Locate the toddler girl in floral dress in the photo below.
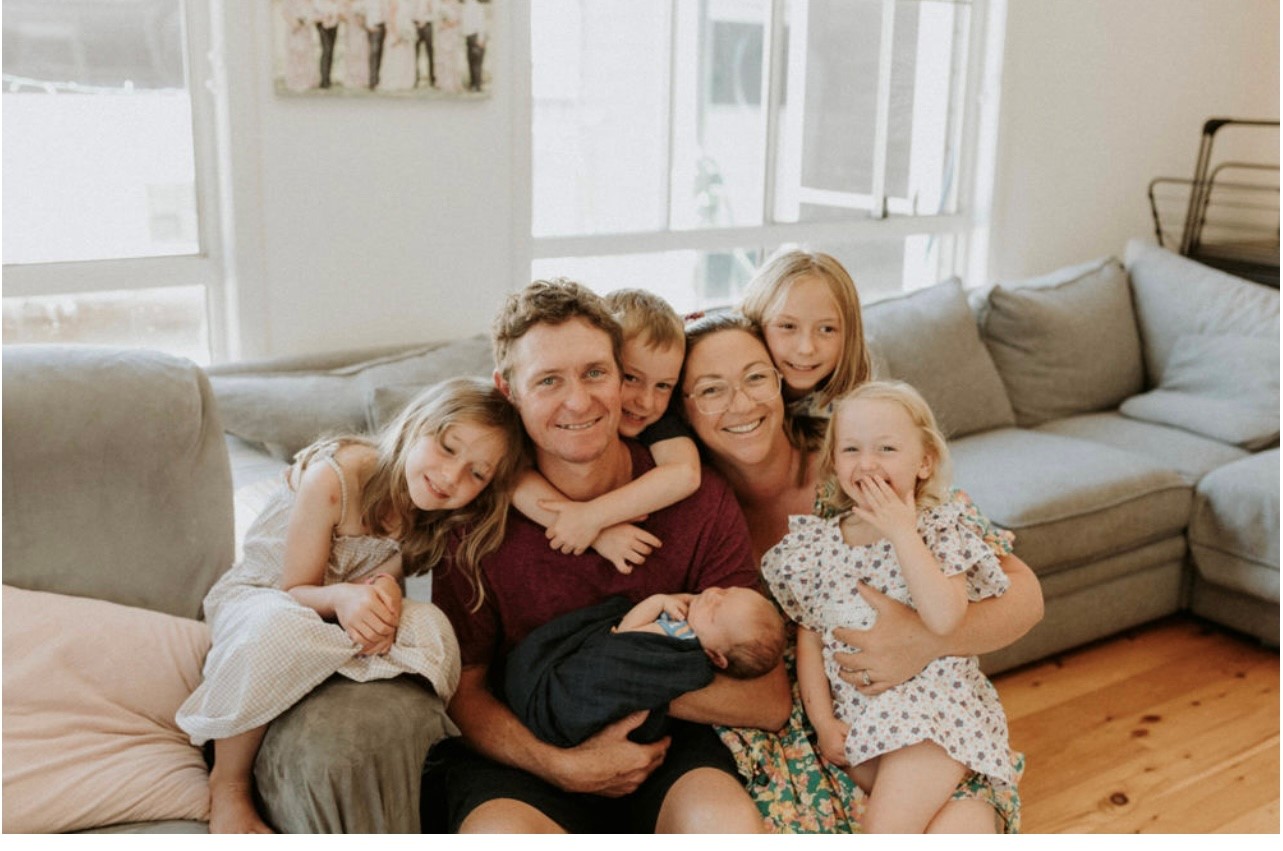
(896, 530)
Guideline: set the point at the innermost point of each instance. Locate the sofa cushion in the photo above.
(929, 339)
(1175, 296)
(1190, 455)
(1065, 343)
(1234, 531)
(286, 410)
(1069, 501)
(116, 479)
(90, 692)
(1222, 386)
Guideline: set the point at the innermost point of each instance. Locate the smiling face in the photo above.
(748, 431)
(803, 329)
(448, 470)
(878, 438)
(566, 385)
(650, 376)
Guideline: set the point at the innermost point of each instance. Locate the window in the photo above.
(108, 235)
(675, 145)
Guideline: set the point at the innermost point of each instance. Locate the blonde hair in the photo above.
(763, 648)
(648, 318)
(429, 537)
(551, 302)
(928, 492)
(770, 285)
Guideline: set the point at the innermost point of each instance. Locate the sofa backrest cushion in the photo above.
(1211, 349)
(116, 478)
(1176, 297)
(1064, 343)
(284, 406)
(929, 339)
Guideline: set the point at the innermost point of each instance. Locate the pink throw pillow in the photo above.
(90, 693)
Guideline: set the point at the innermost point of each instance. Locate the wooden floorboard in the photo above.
(1169, 728)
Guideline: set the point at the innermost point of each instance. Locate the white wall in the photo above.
(1101, 96)
(363, 222)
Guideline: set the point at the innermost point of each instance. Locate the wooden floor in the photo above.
(1170, 728)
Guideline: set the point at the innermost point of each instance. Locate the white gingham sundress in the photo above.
(269, 650)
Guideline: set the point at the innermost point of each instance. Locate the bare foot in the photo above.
(231, 809)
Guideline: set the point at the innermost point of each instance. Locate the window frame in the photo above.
(890, 219)
(204, 71)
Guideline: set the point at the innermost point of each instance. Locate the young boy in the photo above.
(653, 352)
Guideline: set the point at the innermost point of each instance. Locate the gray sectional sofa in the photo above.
(1121, 419)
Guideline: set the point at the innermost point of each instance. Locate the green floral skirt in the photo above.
(798, 791)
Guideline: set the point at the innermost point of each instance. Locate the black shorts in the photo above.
(457, 780)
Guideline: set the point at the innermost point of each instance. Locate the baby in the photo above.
(588, 668)
(739, 630)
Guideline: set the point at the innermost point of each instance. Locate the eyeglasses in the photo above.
(716, 395)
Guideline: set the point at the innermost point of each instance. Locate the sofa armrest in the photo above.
(116, 478)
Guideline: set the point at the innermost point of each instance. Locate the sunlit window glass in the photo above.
(98, 146)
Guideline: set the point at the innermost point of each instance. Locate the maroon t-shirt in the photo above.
(528, 583)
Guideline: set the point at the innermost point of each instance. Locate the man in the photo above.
(557, 356)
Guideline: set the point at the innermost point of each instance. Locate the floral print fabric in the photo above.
(797, 791)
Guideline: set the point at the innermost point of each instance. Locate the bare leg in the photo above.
(968, 815)
(912, 785)
(231, 785)
(504, 815)
(706, 800)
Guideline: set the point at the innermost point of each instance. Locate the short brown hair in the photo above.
(552, 302)
(648, 318)
(762, 651)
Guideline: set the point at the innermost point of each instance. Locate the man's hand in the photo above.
(609, 764)
(892, 651)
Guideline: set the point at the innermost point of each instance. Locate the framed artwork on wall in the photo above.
(382, 48)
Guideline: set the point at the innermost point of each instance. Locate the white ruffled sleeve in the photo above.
(790, 567)
(959, 549)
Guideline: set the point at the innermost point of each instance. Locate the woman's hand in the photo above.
(893, 650)
(369, 613)
(625, 546)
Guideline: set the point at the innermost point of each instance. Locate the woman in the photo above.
(731, 397)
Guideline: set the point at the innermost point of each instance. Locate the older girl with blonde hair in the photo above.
(809, 311)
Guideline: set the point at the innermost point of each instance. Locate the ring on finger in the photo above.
(865, 678)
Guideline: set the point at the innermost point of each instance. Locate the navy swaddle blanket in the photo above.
(572, 676)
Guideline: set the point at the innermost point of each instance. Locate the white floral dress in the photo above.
(812, 574)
